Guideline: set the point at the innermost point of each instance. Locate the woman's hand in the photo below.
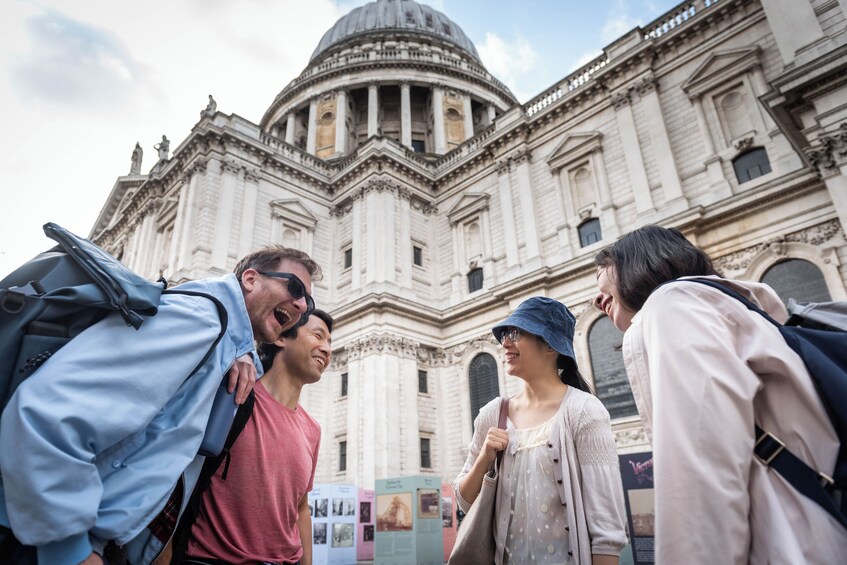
(495, 440)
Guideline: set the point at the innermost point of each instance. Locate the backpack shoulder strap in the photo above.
(210, 467)
(771, 451)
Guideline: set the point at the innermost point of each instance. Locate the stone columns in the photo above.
(466, 102)
(671, 187)
(184, 251)
(829, 157)
(492, 113)
(720, 186)
(405, 115)
(438, 120)
(312, 127)
(404, 242)
(289, 128)
(632, 155)
(226, 206)
(794, 26)
(249, 197)
(504, 190)
(527, 205)
(358, 226)
(380, 261)
(341, 122)
(373, 109)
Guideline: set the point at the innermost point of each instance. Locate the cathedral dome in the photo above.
(405, 16)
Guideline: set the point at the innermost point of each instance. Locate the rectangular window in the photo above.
(418, 146)
(475, 280)
(426, 460)
(422, 384)
(343, 384)
(417, 256)
(342, 455)
(348, 257)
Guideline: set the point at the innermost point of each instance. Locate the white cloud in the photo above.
(509, 61)
(82, 80)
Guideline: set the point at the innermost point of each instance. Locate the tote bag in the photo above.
(475, 542)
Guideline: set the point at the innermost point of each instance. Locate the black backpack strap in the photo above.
(210, 467)
(817, 486)
(771, 451)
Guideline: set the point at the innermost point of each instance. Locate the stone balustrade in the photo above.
(676, 17)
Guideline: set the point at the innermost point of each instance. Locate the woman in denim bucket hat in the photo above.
(559, 497)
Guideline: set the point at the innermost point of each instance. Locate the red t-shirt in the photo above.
(252, 515)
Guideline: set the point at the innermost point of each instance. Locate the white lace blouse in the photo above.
(586, 477)
(537, 520)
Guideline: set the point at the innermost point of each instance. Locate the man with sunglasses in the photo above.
(100, 448)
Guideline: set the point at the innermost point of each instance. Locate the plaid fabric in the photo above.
(164, 524)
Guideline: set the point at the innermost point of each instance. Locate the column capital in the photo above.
(645, 84)
(373, 85)
(405, 84)
(620, 99)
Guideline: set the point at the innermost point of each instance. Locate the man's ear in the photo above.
(249, 278)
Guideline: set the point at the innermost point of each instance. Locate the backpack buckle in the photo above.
(767, 448)
(826, 480)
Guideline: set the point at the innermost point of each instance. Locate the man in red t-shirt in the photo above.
(260, 513)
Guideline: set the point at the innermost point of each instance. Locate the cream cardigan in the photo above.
(588, 477)
(702, 369)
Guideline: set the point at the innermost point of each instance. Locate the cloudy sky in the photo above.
(82, 80)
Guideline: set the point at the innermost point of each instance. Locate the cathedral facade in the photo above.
(436, 203)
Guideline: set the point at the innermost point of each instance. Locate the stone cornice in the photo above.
(381, 184)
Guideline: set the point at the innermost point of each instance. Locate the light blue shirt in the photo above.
(93, 443)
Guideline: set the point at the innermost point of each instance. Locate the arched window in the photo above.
(752, 164)
(610, 381)
(475, 279)
(589, 232)
(482, 382)
(797, 279)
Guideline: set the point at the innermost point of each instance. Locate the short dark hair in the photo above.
(267, 351)
(267, 259)
(649, 256)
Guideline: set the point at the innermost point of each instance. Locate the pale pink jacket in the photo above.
(703, 368)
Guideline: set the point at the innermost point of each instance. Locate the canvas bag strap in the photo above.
(501, 423)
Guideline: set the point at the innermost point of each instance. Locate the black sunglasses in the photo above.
(296, 289)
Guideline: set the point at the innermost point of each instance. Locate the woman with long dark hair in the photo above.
(704, 369)
(559, 497)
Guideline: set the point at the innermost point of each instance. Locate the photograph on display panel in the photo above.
(394, 512)
(428, 503)
(364, 512)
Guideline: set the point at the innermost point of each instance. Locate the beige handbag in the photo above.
(475, 542)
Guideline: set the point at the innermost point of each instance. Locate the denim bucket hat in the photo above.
(547, 318)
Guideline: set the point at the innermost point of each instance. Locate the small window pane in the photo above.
(343, 384)
(418, 146)
(426, 460)
(417, 255)
(752, 164)
(342, 455)
(422, 382)
(475, 280)
(797, 279)
(589, 232)
(348, 258)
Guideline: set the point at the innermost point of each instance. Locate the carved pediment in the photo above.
(720, 67)
(469, 204)
(293, 211)
(573, 147)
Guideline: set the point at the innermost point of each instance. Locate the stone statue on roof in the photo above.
(137, 154)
